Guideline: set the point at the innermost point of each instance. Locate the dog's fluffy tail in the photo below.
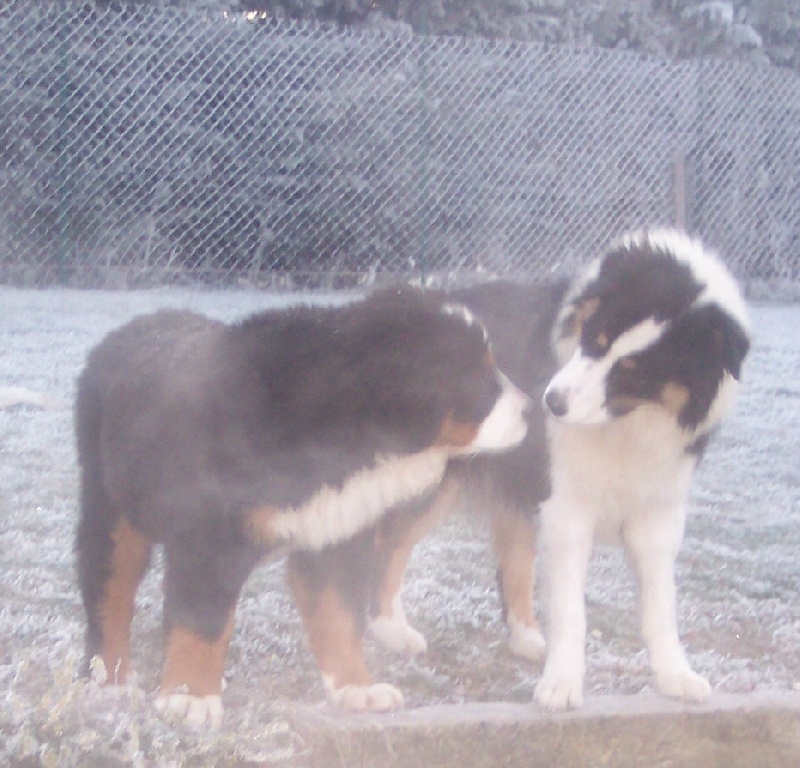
(11, 396)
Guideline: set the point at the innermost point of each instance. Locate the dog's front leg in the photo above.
(652, 544)
(567, 536)
(331, 590)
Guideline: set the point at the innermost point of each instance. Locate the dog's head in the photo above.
(656, 321)
(437, 362)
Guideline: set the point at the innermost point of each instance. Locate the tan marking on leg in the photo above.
(131, 552)
(398, 537)
(333, 636)
(514, 540)
(454, 434)
(192, 661)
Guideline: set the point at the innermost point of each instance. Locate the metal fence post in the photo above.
(64, 247)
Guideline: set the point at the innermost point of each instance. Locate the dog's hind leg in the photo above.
(205, 569)
(514, 541)
(112, 558)
(112, 555)
(331, 591)
(194, 664)
(398, 533)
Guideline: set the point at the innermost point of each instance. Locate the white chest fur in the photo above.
(334, 514)
(624, 467)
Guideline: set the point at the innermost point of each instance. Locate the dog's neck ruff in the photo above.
(336, 513)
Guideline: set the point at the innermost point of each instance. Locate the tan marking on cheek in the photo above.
(131, 552)
(674, 397)
(192, 661)
(455, 434)
(259, 526)
(333, 635)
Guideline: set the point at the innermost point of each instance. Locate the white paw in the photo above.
(683, 684)
(198, 712)
(380, 697)
(398, 635)
(555, 693)
(526, 642)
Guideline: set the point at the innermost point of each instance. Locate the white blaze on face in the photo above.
(581, 383)
(506, 424)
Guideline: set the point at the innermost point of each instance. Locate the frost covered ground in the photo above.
(739, 571)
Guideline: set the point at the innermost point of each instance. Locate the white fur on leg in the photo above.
(378, 697)
(652, 544)
(198, 712)
(395, 633)
(566, 534)
(683, 684)
(559, 690)
(525, 641)
(398, 635)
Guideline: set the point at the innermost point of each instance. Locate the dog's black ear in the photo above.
(737, 345)
(717, 339)
(706, 343)
(731, 343)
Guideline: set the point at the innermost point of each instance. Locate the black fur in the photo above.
(629, 289)
(186, 425)
(519, 318)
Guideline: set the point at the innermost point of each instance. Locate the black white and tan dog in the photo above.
(650, 344)
(291, 431)
(638, 361)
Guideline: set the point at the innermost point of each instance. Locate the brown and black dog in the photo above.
(291, 431)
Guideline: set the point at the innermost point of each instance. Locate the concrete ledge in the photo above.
(731, 731)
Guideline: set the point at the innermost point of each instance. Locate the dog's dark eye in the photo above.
(596, 345)
(628, 363)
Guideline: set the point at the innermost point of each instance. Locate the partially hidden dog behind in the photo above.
(634, 364)
(291, 431)
(506, 488)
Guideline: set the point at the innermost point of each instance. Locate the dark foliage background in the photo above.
(149, 142)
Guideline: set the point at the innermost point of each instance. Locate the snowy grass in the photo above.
(739, 572)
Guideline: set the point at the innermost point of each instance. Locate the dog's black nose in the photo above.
(556, 402)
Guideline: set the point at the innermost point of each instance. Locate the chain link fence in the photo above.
(142, 146)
